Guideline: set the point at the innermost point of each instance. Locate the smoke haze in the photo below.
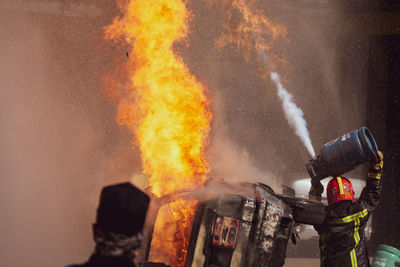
(326, 75)
(229, 161)
(60, 143)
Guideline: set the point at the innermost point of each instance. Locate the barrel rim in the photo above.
(389, 249)
(368, 142)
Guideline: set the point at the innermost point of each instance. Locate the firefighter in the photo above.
(117, 231)
(341, 236)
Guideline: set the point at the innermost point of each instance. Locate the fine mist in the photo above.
(59, 141)
(324, 74)
(61, 144)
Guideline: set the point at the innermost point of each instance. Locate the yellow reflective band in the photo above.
(356, 233)
(374, 175)
(350, 218)
(353, 258)
(356, 218)
(340, 184)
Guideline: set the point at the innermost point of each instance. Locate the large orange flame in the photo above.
(165, 107)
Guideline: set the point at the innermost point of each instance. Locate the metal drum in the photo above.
(343, 154)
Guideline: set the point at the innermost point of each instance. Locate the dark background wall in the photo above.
(378, 23)
(384, 107)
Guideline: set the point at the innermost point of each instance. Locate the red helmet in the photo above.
(339, 189)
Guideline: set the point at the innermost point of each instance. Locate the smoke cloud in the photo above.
(229, 161)
(60, 143)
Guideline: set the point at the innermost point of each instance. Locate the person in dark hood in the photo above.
(341, 236)
(117, 231)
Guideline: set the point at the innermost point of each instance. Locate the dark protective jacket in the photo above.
(342, 237)
(97, 260)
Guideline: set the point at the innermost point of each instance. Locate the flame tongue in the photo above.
(255, 35)
(165, 107)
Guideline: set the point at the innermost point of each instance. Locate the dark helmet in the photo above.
(122, 209)
(338, 189)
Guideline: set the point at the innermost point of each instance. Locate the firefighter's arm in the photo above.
(371, 193)
(376, 166)
(316, 190)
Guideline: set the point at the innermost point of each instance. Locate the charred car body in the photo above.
(246, 225)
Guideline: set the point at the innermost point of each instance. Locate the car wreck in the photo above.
(238, 225)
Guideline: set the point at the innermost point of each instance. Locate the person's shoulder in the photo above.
(342, 209)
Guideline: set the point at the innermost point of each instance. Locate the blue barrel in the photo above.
(386, 256)
(343, 154)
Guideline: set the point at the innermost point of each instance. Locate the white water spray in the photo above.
(293, 114)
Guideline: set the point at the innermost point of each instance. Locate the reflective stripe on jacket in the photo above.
(342, 238)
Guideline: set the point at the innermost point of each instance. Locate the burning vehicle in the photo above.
(235, 225)
(167, 109)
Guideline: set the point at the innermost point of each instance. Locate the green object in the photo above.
(386, 256)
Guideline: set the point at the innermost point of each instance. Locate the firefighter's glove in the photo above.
(316, 190)
(375, 166)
